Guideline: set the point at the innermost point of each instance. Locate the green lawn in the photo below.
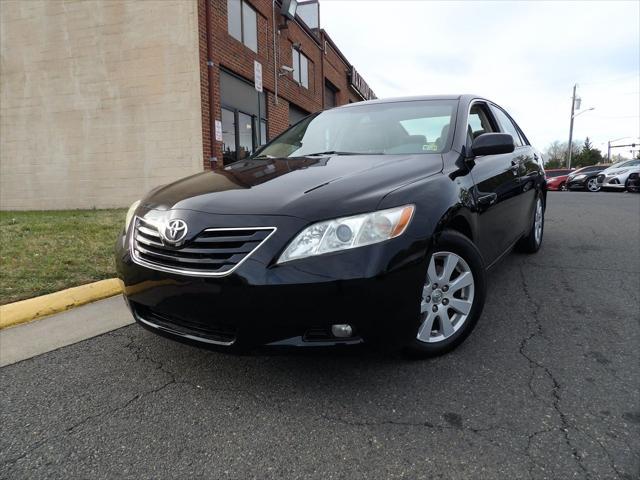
(46, 251)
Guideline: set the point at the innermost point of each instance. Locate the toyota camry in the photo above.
(369, 223)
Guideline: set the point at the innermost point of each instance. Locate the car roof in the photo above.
(460, 96)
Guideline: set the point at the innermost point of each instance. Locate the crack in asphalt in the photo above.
(556, 387)
(589, 269)
(427, 424)
(132, 347)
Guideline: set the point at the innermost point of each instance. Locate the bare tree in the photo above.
(556, 154)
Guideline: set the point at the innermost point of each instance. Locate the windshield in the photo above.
(379, 128)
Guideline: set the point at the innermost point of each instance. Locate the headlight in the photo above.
(130, 212)
(619, 172)
(348, 232)
(578, 177)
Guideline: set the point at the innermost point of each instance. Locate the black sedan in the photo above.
(373, 222)
(585, 178)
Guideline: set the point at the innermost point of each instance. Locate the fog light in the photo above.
(341, 330)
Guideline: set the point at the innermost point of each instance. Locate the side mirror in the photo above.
(492, 144)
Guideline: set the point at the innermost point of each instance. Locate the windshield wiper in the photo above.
(336, 152)
(262, 157)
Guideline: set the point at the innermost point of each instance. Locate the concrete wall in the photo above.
(99, 100)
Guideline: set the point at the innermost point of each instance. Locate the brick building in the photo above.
(246, 32)
(102, 100)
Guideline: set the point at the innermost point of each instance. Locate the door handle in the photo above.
(487, 199)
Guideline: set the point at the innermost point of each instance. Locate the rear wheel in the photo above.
(452, 298)
(592, 185)
(532, 242)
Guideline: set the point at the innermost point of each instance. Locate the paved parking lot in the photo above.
(548, 386)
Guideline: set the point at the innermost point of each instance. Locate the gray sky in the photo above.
(525, 56)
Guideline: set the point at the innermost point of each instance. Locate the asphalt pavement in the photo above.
(547, 386)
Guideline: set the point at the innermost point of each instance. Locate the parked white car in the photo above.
(615, 177)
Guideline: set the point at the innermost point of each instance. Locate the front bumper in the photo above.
(576, 184)
(613, 181)
(554, 186)
(375, 289)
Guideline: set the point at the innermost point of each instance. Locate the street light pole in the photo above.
(573, 106)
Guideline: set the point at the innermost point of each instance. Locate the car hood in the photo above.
(304, 187)
(615, 171)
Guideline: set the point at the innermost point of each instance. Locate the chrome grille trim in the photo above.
(145, 234)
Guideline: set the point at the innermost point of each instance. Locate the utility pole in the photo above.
(609, 151)
(573, 106)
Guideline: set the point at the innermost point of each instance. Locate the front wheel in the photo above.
(592, 185)
(452, 298)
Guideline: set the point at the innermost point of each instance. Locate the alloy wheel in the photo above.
(592, 185)
(447, 297)
(538, 223)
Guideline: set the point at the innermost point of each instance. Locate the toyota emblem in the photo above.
(175, 230)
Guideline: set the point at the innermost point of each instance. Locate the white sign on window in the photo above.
(218, 131)
(257, 73)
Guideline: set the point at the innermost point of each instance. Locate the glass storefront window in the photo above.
(239, 135)
(243, 117)
(245, 137)
(228, 136)
(263, 132)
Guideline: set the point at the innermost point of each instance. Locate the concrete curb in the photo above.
(33, 308)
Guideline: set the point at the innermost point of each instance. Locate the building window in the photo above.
(300, 67)
(228, 136)
(330, 94)
(240, 134)
(244, 126)
(242, 23)
(296, 114)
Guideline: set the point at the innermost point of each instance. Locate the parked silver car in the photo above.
(615, 177)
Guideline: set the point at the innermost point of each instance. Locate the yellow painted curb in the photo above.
(33, 308)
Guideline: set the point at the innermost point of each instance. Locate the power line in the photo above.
(611, 80)
(616, 116)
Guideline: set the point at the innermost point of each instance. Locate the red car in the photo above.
(557, 178)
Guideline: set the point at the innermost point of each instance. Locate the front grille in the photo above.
(213, 252)
(216, 333)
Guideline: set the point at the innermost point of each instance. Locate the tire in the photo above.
(440, 336)
(562, 187)
(591, 185)
(533, 240)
